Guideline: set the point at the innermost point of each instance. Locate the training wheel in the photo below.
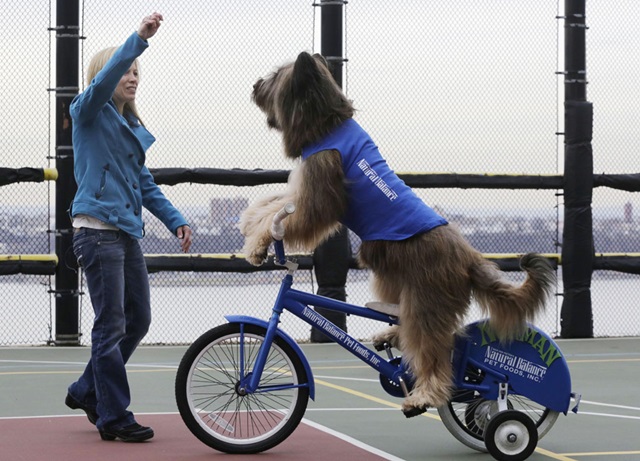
(477, 416)
(510, 436)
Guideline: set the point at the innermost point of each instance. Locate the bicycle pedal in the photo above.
(381, 346)
(415, 411)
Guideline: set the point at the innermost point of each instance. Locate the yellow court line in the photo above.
(368, 397)
(605, 453)
(7, 373)
(550, 454)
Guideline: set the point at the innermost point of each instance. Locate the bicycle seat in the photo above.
(385, 308)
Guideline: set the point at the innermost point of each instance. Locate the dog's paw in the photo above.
(257, 258)
(411, 406)
(410, 412)
(381, 344)
(385, 337)
(422, 396)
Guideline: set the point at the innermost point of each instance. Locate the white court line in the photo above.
(611, 405)
(2, 418)
(353, 409)
(351, 440)
(607, 415)
(338, 378)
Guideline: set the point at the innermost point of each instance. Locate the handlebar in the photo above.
(277, 228)
(277, 231)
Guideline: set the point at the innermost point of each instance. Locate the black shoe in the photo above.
(72, 403)
(131, 433)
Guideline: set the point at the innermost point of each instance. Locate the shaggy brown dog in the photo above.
(430, 273)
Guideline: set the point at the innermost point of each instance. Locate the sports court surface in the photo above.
(351, 418)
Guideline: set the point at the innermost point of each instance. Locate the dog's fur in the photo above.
(431, 276)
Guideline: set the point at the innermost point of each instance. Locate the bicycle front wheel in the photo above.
(214, 408)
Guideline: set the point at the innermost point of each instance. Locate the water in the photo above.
(181, 314)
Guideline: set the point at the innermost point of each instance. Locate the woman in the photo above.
(110, 143)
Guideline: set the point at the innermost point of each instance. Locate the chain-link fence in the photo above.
(26, 306)
(445, 86)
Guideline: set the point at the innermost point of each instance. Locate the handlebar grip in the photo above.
(277, 228)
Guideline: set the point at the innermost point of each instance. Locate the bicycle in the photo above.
(243, 387)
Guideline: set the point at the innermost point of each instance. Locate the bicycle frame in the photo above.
(297, 303)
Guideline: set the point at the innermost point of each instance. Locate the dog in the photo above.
(418, 260)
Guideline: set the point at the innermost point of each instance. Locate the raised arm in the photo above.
(88, 104)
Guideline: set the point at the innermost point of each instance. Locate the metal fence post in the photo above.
(577, 240)
(331, 258)
(66, 279)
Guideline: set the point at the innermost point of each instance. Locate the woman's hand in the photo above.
(149, 26)
(184, 234)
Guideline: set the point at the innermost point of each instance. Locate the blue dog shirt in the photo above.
(380, 205)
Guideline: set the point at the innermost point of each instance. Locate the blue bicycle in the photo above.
(243, 387)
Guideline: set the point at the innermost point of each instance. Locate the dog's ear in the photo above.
(305, 74)
(318, 57)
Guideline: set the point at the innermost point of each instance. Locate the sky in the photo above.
(445, 86)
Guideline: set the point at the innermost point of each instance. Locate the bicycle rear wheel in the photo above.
(212, 405)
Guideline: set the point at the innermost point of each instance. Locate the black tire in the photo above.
(511, 436)
(213, 409)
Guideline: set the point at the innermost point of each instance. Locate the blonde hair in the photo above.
(96, 64)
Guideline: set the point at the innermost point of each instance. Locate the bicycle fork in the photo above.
(250, 382)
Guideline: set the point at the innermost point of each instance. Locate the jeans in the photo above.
(118, 284)
(331, 264)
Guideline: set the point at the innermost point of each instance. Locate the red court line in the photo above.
(73, 437)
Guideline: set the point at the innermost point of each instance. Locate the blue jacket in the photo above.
(380, 205)
(113, 181)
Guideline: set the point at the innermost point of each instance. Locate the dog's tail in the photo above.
(509, 306)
